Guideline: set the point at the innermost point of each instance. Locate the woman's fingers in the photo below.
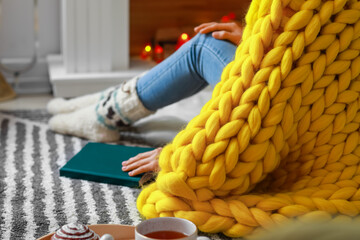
(139, 162)
(202, 26)
(141, 166)
(136, 164)
(143, 162)
(221, 35)
(142, 156)
(224, 35)
(213, 26)
(224, 31)
(150, 166)
(137, 158)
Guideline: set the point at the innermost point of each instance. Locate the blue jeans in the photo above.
(196, 64)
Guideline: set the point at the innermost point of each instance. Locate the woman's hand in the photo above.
(231, 31)
(143, 162)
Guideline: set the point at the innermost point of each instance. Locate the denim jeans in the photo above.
(196, 64)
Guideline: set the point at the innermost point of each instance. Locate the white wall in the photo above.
(17, 39)
(95, 48)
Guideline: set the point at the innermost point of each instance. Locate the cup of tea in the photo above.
(167, 228)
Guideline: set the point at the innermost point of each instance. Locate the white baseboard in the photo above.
(35, 81)
(77, 84)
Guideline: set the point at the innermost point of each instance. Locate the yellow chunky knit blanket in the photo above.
(280, 137)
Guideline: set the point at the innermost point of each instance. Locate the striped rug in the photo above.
(34, 200)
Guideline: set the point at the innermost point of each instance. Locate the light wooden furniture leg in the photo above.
(6, 91)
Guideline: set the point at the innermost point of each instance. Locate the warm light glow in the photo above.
(184, 36)
(225, 19)
(158, 49)
(232, 15)
(148, 48)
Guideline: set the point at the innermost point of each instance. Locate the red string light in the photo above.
(158, 49)
(183, 38)
(228, 18)
(225, 19)
(232, 15)
(158, 54)
(146, 53)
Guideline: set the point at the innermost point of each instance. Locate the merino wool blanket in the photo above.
(279, 138)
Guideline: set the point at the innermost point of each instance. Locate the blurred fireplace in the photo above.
(95, 48)
(140, 24)
(146, 17)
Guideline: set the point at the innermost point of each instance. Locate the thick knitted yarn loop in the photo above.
(280, 137)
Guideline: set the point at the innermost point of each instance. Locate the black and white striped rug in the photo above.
(34, 200)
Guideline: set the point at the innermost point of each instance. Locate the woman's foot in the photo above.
(83, 123)
(118, 106)
(61, 105)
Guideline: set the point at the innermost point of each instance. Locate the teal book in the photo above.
(102, 162)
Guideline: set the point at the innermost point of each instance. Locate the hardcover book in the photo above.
(102, 162)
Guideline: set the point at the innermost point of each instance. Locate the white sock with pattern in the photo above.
(62, 105)
(100, 121)
(83, 123)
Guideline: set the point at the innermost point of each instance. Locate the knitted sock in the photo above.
(120, 106)
(83, 123)
(62, 105)
(280, 137)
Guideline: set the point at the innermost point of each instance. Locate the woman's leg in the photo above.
(196, 64)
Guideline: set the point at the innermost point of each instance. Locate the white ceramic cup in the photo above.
(167, 224)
